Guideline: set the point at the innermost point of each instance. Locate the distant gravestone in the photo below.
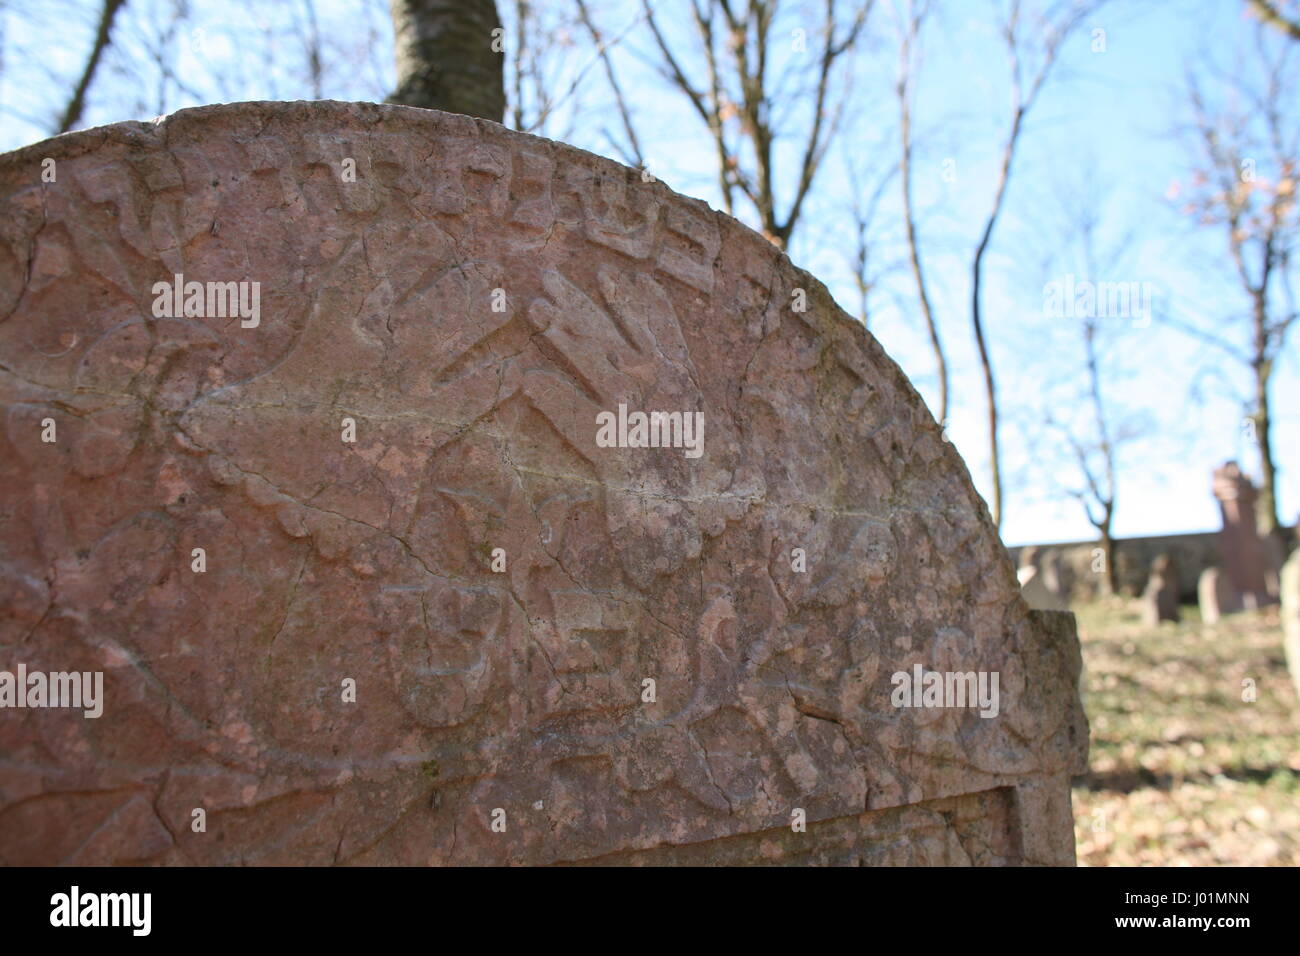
(1040, 581)
(1216, 596)
(1160, 599)
(426, 492)
(1245, 559)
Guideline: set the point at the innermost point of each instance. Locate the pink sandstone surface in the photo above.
(479, 690)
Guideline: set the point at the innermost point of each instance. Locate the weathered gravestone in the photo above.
(1216, 595)
(1245, 558)
(1160, 598)
(374, 567)
(1040, 587)
(1291, 616)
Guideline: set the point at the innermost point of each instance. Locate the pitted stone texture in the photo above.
(476, 430)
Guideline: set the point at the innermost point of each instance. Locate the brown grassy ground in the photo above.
(1182, 771)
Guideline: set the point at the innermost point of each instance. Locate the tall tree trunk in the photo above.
(77, 104)
(903, 89)
(977, 319)
(1267, 10)
(1268, 519)
(1266, 506)
(986, 364)
(1108, 550)
(446, 58)
(991, 393)
(936, 346)
(1103, 490)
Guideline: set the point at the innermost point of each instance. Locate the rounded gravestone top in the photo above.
(356, 498)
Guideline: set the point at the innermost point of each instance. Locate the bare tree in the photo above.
(734, 96)
(1094, 437)
(450, 56)
(1033, 45)
(540, 43)
(912, 15)
(547, 67)
(160, 32)
(631, 151)
(1246, 155)
(864, 211)
(1272, 13)
(77, 103)
(308, 32)
(524, 70)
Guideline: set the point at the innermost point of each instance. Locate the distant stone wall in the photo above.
(1192, 553)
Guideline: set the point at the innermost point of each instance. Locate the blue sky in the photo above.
(1104, 133)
